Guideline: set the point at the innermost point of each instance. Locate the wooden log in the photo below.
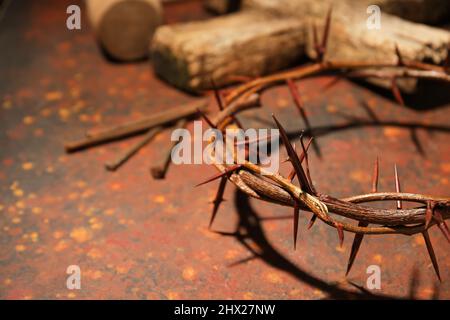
(269, 35)
(123, 157)
(351, 40)
(124, 27)
(160, 165)
(135, 127)
(249, 43)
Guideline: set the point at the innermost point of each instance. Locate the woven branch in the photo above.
(257, 183)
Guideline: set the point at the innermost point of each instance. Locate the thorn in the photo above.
(294, 158)
(218, 200)
(221, 174)
(305, 149)
(220, 104)
(375, 176)
(442, 225)
(311, 222)
(300, 107)
(326, 32)
(340, 230)
(397, 186)
(298, 102)
(291, 175)
(333, 82)
(428, 214)
(295, 149)
(205, 117)
(399, 56)
(426, 237)
(357, 240)
(296, 218)
(305, 156)
(295, 95)
(396, 92)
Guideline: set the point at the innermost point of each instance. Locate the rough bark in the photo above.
(124, 27)
(249, 43)
(269, 35)
(350, 39)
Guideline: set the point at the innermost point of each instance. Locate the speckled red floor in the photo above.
(134, 237)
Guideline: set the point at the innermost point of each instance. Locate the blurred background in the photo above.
(137, 237)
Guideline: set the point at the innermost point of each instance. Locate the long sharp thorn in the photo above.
(295, 95)
(305, 156)
(294, 159)
(218, 200)
(399, 56)
(376, 173)
(357, 240)
(428, 214)
(333, 82)
(340, 230)
(296, 218)
(205, 117)
(304, 153)
(442, 225)
(426, 237)
(311, 222)
(300, 107)
(291, 175)
(326, 31)
(220, 174)
(439, 218)
(444, 230)
(397, 186)
(396, 92)
(220, 104)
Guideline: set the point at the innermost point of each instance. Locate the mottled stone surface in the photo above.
(136, 238)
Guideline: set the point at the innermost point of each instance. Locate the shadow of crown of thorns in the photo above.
(275, 188)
